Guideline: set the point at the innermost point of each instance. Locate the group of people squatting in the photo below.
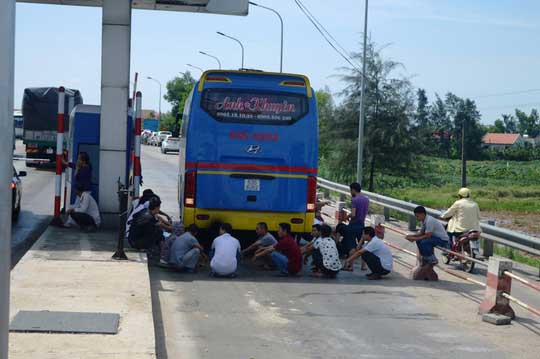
(326, 250)
(329, 250)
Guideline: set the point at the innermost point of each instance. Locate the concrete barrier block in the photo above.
(496, 319)
(496, 284)
(424, 272)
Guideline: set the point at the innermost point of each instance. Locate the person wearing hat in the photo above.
(464, 215)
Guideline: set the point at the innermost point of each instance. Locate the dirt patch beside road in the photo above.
(522, 222)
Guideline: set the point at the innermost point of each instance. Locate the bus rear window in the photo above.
(254, 107)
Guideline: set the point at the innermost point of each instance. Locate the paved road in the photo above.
(261, 316)
(36, 206)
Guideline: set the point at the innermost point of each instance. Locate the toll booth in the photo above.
(84, 136)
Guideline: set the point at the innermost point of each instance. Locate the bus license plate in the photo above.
(253, 185)
(50, 151)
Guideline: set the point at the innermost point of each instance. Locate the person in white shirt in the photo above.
(138, 205)
(225, 253)
(325, 254)
(85, 211)
(375, 253)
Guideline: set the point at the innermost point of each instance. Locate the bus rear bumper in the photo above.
(247, 220)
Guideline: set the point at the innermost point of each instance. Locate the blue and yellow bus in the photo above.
(249, 151)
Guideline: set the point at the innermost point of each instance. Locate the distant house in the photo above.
(149, 114)
(501, 141)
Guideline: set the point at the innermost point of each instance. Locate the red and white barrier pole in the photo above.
(135, 88)
(59, 150)
(137, 159)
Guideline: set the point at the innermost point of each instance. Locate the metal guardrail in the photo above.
(490, 232)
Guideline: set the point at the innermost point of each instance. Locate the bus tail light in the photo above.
(293, 83)
(311, 193)
(189, 189)
(218, 79)
(13, 185)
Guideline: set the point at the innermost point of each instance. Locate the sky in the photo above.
(484, 50)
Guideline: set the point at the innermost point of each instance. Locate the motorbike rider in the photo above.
(464, 216)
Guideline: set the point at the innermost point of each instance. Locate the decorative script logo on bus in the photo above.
(253, 149)
(255, 104)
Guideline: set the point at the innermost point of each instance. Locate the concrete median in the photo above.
(70, 271)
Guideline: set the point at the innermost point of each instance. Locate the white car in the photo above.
(170, 144)
(161, 136)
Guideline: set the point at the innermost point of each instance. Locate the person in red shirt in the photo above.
(285, 254)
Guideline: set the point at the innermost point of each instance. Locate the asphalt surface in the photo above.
(36, 205)
(260, 316)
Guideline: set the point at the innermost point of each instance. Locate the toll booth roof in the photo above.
(225, 7)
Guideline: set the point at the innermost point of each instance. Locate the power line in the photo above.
(509, 106)
(345, 51)
(314, 22)
(508, 93)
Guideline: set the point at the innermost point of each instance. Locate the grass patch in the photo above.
(496, 185)
(517, 256)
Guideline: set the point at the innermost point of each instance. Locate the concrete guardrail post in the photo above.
(340, 212)
(487, 245)
(326, 193)
(497, 284)
(412, 223)
(386, 213)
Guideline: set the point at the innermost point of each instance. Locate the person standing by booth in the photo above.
(83, 170)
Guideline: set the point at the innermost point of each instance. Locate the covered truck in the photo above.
(40, 110)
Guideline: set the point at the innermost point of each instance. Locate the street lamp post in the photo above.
(238, 41)
(195, 67)
(159, 83)
(360, 156)
(281, 21)
(212, 56)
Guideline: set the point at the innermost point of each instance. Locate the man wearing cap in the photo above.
(464, 215)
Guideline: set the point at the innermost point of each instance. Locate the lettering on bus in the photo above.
(255, 104)
(258, 136)
(251, 107)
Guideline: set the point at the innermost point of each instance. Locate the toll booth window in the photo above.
(239, 106)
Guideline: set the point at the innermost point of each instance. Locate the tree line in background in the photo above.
(401, 125)
(177, 92)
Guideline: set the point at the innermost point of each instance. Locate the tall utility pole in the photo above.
(7, 67)
(360, 156)
(463, 154)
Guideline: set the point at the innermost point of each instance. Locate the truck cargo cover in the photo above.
(40, 107)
